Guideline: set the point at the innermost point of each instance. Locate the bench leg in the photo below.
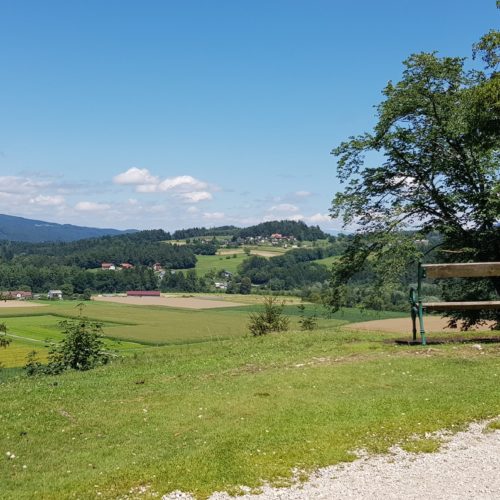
(414, 314)
(421, 322)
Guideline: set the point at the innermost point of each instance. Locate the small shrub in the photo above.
(33, 365)
(307, 323)
(271, 319)
(4, 340)
(81, 348)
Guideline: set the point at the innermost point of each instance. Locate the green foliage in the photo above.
(307, 323)
(81, 349)
(271, 319)
(298, 229)
(33, 365)
(4, 340)
(439, 133)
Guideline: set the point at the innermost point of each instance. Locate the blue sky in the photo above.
(163, 114)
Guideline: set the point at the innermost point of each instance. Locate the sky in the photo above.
(174, 114)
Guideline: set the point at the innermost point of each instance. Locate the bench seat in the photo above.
(456, 306)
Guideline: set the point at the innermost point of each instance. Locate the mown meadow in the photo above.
(214, 415)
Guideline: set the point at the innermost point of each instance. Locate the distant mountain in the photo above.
(36, 231)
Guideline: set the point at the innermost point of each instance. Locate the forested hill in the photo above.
(34, 231)
(140, 248)
(297, 229)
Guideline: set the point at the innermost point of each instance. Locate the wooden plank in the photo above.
(462, 270)
(458, 306)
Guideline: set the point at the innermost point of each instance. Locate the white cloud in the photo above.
(47, 201)
(147, 188)
(20, 185)
(185, 186)
(316, 218)
(214, 215)
(295, 217)
(135, 175)
(192, 210)
(284, 207)
(196, 196)
(90, 206)
(182, 181)
(303, 194)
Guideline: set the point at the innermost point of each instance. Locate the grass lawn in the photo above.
(215, 415)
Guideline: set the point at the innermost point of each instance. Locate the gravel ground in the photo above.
(466, 467)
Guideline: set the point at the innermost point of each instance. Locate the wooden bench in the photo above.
(461, 270)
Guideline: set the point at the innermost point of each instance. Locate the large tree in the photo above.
(433, 165)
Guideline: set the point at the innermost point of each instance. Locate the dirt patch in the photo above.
(179, 302)
(262, 253)
(266, 253)
(19, 303)
(404, 325)
(230, 252)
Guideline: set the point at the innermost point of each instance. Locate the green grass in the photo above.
(422, 445)
(28, 333)
(130, 327)
(327, 261)
(215, 415)
(494, 426)
(206, 263)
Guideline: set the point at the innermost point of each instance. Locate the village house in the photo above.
(108, 266)
(157, 267)
(55, 295)
(126, 265)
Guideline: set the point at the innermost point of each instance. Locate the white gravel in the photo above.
(466, 467)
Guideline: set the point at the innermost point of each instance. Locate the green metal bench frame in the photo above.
(460, 270)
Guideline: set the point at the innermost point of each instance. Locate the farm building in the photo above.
(16, 295)
(126, 265)
(143, 293)
(55, 294)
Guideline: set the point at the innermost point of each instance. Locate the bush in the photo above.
(33, 365)
(271, 319)
(81, 349)
(4, 340)
(307, 323)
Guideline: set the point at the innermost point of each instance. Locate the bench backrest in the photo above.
(462, 270)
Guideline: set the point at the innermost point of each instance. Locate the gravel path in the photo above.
(466, 467)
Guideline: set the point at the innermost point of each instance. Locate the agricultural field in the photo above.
(217, 263)
(234, 412)
(229, 259)
(134, 327)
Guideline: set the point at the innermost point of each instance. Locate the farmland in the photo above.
(132, 327)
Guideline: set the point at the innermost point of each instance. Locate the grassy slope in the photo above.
(211, 416)
(206, 263)
(327, 261)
